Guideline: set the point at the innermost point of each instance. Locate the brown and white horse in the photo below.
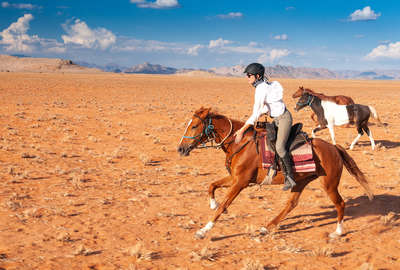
(330, 114)
(340, 99)
(244, 166)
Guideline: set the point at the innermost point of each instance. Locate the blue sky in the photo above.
(339, 35)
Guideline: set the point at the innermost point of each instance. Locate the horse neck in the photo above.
(316, 106)
(223, 127)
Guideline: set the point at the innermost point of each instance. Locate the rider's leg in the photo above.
(284, 124)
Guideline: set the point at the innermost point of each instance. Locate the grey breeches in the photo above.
(284, 124)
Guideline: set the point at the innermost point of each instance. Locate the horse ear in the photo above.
(203, 112)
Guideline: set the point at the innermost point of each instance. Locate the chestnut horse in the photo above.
(340, 100)
(244, 166)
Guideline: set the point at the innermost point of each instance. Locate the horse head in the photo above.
(197, 131)
(205, 127)
(306, 99)
(298, 92)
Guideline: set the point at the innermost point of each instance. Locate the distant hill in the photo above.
(30, 64)
(148, 68)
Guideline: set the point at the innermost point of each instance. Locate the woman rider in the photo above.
(268, 98)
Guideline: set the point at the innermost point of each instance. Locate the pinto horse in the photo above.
(330, 114)
(244, 166)
(341, 100)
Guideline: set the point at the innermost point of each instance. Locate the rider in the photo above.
(268, 98)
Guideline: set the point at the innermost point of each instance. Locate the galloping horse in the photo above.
(330, 114)
(341, 100)
(244, 165)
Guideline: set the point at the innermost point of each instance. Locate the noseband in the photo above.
(209, 132)
(309, 101)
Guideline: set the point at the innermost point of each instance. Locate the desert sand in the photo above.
(91, 179)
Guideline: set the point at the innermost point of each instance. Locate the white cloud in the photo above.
(281, 37)
(158, 4)
(365, 14)
(195, 50)
(15, 37)
(18, 6)
(135, 45)
(80, 34)
(391, 50)
(273, 55)
(231, 15)
(218, 43)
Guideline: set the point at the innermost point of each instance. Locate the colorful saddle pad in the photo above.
(302, 156)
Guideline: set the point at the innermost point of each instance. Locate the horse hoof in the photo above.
(200, 234)
(334, 235)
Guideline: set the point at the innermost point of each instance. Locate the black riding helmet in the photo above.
(254, 69)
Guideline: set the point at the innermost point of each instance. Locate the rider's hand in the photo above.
(238, 136)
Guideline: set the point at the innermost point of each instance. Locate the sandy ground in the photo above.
(90, 179)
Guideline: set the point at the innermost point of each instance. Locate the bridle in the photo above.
(309, 101)
(209, 132)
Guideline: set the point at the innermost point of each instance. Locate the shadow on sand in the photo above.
(381, 205)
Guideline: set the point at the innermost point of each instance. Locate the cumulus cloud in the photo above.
(15, 37)
(79, 33)
(18, 6)
(281, 37)
(231, 15)
(391, 50)
(218, 43)
(365, 14)
(158, 4)
(273, 55)
(195, 50)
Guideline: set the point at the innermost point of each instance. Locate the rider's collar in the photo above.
(256, 83)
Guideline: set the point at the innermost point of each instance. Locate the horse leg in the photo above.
(232, 194)
(291, 203)
(223, 182)
(330, 127)
(335, 197)
(360, 133)
(316, 129)
(369, 133)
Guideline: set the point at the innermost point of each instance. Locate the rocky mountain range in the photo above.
(30, 64)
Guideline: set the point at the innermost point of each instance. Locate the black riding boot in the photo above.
(288, 172)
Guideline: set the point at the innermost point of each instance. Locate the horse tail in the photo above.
(353, 169)
(375, 114)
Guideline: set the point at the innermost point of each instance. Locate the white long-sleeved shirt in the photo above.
(267, 98)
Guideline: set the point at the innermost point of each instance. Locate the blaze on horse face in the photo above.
(194, 133)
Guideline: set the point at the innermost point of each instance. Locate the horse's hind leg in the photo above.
(333, 193)
(360, 133)
(291, 203)
(369, 133)
(223, 182)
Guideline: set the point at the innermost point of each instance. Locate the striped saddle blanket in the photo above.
(302, 155)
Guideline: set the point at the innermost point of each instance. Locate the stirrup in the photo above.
(289, 183)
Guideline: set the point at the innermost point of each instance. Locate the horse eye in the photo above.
(195, 126)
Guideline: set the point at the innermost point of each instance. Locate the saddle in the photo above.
(298, 145)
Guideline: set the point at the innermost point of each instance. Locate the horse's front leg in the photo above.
(232, 194)
(224, 182)
(331, 131)
(314, 131)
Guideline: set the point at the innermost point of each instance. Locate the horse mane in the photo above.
(320, 95)
(214, 112)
